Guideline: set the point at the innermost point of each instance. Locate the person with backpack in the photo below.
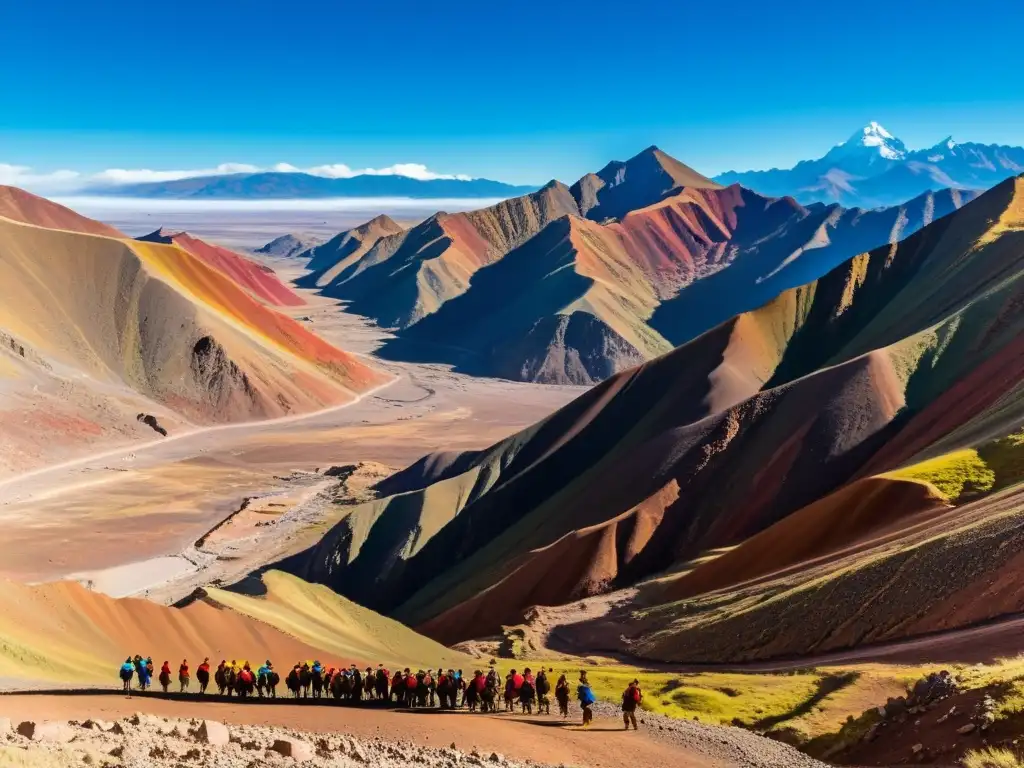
(562, 696)
(527, 691)
(631, 699)
(125, 673)
(165, 676)
(474, 690)
(203, 675)
(460, 690)
(512, 690)
(585, 695)
(184, 678)
(543, 687)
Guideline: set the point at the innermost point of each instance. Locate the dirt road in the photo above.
(131, 505)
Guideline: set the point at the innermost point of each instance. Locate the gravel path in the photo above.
(731, 746)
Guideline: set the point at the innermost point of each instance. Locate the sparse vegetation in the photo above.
(1006, 459)
(991, 757)
(953, 474)
(804, 703)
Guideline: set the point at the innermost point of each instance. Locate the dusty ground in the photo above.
(253, 224)
(133, 508)
(544, 739)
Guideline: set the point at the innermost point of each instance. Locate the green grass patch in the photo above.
(953, 474)
(756, 701)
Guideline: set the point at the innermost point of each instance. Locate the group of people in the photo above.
(446, 689)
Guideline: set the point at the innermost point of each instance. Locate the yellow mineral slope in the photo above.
(64, 633)
(95, 328)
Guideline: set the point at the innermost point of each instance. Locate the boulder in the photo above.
(299, 750)
(963, 730)
(5, 726)
(213, 733)
(357, 753)
(98, 725)
(47, 730)
(917, 748)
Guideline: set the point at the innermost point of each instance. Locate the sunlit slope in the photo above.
(63, 633)
(330, 261)
(166, 325)
(19, 205)
(258, 280)
(338, 627)
(581, 300)
(806, 432)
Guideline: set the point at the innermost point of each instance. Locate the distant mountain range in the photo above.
(574, 284)
(874, 168)
(272, 185)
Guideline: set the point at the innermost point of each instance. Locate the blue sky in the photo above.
(520, 91)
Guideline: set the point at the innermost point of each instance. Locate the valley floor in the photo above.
(126, 519)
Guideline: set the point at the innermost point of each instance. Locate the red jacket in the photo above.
(517, 681)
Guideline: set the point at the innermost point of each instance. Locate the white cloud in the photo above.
(24, 176)
(411, 170)
(67, 180)
(145, 175)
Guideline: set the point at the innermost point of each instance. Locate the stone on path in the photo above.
(300, 750)
(46, 731)
(214, 733)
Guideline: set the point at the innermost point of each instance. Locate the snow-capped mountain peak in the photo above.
(874, 136)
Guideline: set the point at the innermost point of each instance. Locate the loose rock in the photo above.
(213, 733)
(299, 750)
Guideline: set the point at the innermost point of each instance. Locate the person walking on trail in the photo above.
(631, 699)
(125, 673)
(461, 687)
(543, 687)
(203, 675)
(184, 678)
(585, 695)
(165, 676)
(527, 692)
(562, 696)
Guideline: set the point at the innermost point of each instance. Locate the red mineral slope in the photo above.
(260, 281)
(19, 205)
(864, 511)
(580, 564)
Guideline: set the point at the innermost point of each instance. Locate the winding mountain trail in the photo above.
(544, 739)
(127, 513)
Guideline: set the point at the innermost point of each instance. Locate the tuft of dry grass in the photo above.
(992, 757)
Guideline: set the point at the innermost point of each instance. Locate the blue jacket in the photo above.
(585, 695)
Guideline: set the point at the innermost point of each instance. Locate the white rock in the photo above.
(212, 732)
(294, 748)
(48, 730)
(357, 753)
(5, 726)
(917, 748)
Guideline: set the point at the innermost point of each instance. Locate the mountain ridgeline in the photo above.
(279, 185)
(874, 168)
(794, 442)
(574, 284)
